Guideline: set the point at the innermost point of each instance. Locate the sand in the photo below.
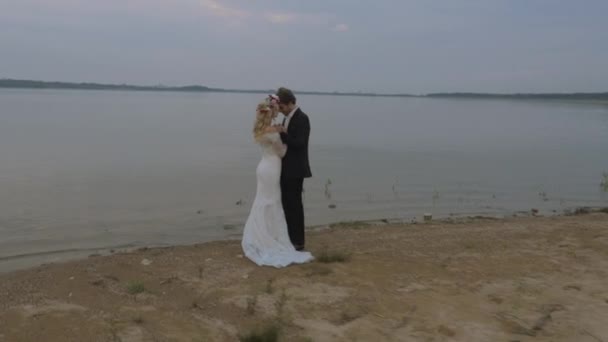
(517, 279)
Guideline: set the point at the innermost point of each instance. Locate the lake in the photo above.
(89, 171)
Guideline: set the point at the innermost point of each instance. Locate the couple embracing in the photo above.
(274, 232)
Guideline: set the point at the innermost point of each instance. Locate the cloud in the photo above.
(280, 18)
(220, 10)
(306, 19)
(341, 28)
(238, 16)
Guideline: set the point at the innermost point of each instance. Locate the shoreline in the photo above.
(468, 279)
(12, 263)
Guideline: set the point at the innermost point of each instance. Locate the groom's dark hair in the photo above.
(286, 96)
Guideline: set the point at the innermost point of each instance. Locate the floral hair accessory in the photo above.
(273, 99)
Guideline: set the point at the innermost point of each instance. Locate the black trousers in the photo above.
(291, 196)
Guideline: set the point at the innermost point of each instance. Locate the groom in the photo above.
(295, 167)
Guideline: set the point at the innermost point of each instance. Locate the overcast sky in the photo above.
(397, 46)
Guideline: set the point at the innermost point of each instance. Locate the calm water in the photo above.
(87, 170)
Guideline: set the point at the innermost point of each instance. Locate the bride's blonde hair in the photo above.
(264, 115)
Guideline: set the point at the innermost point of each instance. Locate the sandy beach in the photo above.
(516, 279)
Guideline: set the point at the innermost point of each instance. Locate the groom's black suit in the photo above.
(295, 168)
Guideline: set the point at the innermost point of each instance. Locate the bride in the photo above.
(265, 238)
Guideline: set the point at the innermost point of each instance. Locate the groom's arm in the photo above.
(299, 135)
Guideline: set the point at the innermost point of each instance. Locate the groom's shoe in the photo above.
(299, 248)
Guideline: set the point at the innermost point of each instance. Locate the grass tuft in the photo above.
(269, 333)
(135, 288)
(251, 304)
(327, 257)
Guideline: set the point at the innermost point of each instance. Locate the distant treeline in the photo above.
(12, 83)
(549, 96)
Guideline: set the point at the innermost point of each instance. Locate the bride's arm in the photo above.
(279, 147)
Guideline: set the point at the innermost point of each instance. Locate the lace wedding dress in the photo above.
(265, 238)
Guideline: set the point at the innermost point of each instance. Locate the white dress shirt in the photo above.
(288, 117)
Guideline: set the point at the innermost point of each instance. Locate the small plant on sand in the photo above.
(138, 320)
(269, 288)
(269, 333)
(469, 245)
(281, 305)
(135, 287)
(328, 257)
(582, 211)
(318, 270)
(251, 303)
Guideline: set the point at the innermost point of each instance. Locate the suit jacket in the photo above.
(295, 162)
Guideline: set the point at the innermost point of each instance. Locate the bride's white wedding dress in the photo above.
(265, 238)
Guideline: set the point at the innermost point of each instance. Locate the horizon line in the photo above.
(201, 88)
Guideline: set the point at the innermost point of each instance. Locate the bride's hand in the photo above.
(271, 129)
